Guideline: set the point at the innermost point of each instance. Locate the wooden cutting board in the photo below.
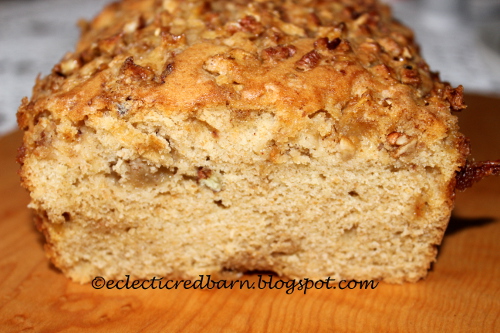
(461, 293)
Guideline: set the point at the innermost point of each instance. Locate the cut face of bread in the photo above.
(185, 138)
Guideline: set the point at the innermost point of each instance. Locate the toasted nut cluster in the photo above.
(209, 179)
(250, 24)
(325, 43)
(390, 46)
(404, 144)
(277, 53)
(409, 75)
(308, 61)
(129, 68)
(397, 139)
(383, 70)
(67, 67)
(169, 68)
(246, 24)
(455, 98)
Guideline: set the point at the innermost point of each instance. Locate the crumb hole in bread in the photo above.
(67, 216)
(350, 233)
(41, 115)
(395, 169)
(220, 204)
(80, 125)
(189, 178)
(113, 175)
(325, 113)
(203, 123)
(387, 102)
(353, 194)
(141, 174)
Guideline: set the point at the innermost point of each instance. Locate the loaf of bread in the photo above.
(304, 137)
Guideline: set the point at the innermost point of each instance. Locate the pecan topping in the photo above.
(390, 46)
(90, 54)
(250, 24)
(308, 61)
(277, 53)
(409, 75)
(169, 68)
(350, 13)
(136, 71)
(464, 145)
(455, 97)
(325, 43)
(313, 19)
(473, 172)
(274, 34)
(383, 70)
(21, 154)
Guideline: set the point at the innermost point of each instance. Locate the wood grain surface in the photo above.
(461, 293)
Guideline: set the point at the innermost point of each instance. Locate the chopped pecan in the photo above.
(325, 43)
(136, 71)
(204, 173)
(406, 53)
(373, 18)
(463, 145)
(90, 54)
(473, 172)
(344, 46)
(21, 154)
(308, 61)
(455, 97)
(169, 68)
(383, 70)
(274, 35)
(350, 13)
(390, 46)
(67, 67)
(277, 53)
(341, 27)
(397, 139)
(138, 24)
(409, 75)
(111, 45)
(250, 24)
(209, 179)
(313, 20)
(212, 20)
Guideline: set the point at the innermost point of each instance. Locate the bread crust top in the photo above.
(348, 59)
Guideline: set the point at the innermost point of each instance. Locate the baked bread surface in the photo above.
(308, 138)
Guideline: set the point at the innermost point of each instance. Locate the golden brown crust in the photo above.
(180, 56)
